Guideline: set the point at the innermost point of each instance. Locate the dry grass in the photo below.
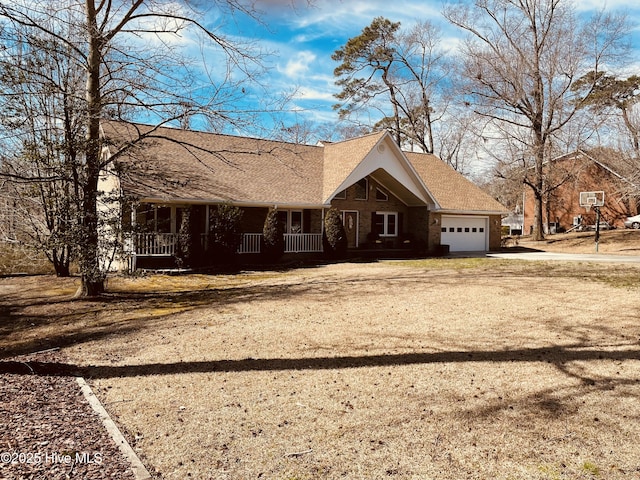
(620, 242)
(19, 259)
(441, 369)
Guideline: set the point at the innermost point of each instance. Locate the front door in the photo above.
(350, 222)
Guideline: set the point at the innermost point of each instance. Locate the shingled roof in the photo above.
(341, 158)
(451, 189)
(183, 165)
(178, 165)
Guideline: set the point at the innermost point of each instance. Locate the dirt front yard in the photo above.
(434, 369)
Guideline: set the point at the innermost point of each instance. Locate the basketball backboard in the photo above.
(591, 199)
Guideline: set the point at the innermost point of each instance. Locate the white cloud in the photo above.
(299, 64)
(341, 13)
(586, 5)
(309, 93)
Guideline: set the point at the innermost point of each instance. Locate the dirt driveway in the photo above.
(447, 369)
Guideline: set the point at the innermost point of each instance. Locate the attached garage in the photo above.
(465, 217)
(465, 233)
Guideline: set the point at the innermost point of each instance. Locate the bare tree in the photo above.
(456, 139)
(422, 68)
(518, 73)
(613, 107)
(136, 64)
(40, 123)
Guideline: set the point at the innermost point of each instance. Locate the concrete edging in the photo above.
(139, 470)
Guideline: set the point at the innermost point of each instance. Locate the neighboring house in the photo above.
(578, 172)
(388, 198)
(514, 221)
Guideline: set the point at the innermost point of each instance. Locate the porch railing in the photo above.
(293, 243)
(302, 242)
(164, 244)
(250, 243)
(156, 244)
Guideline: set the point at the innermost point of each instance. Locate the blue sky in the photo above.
(303, 38)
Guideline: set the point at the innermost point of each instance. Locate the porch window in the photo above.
(361, 189)
(292, 220)
(295, 221)
(386, 224)
(155, 218)
(146, 216)
(283, 219)
(163, 219)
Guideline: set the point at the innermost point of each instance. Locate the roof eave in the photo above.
(454, 211)
(246, 204)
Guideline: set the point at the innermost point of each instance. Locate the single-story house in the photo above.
(576, 172)
(388, 198)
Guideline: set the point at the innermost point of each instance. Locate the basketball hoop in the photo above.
(595, 200)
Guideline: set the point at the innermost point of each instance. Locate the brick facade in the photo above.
(366, 205)
(575, 174)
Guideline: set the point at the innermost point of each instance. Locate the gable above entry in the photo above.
(386, 163)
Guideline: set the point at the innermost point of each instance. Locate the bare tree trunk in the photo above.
(92, 283)
(394, 103)
(538, 223)
(538, 189)
(60, 260)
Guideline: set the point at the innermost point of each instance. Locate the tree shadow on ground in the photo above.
(557, 355)
(32, 319)
(43, 323)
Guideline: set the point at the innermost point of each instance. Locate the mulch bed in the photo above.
(48, 430)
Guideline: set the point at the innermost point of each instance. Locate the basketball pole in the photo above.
(597, 209)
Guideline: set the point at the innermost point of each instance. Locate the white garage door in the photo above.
(465, 234)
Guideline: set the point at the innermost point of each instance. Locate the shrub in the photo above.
(272, 236)
(335, 237)
(184, 254)
(224, 233)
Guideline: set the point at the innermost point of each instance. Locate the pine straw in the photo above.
(391, 370)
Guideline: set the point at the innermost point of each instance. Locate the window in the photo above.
(361, 189)
(146, 216)
(295, 221)
(381, 196)
(163, 220)
(386, 224)
(156, 218)
(341, 195)
(291, 220)
(283, 219)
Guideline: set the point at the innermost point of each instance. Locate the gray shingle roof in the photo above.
(342, 157)
(451, 189)
(182, 165)
(187, 165)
